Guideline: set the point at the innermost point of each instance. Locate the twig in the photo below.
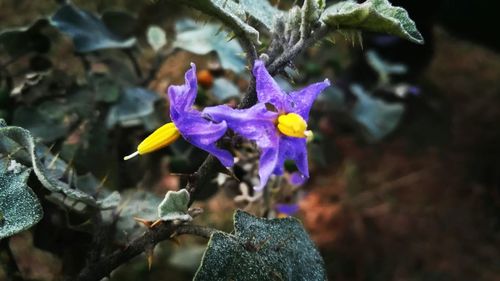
(276, 64)
(103, 268)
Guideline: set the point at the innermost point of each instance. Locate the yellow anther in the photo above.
(160, 138)
(292, 125)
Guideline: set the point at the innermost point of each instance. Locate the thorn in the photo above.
(157, 222)
(149, 251)
(144, 222)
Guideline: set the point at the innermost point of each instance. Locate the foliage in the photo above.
(19, 206)
(261, 249)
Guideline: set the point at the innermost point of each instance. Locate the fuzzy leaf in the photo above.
(372, 15)
(262, 249)
(224, 89)
(156, 37)
(134, 104)
(262, 11)
(203, 39)
(135, 204)
(377, 117)
(231, 11)
(175, 206)
(20, 143)
(19, 206)
(88, 32)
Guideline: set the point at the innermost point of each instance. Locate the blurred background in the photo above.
(405, 162)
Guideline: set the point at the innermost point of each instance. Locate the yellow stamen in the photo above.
(292, 125)
(160, 138)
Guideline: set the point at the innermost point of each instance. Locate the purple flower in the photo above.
(280, 135)
(188, 122)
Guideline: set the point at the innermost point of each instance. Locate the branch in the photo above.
(103, 267)
(288, 55)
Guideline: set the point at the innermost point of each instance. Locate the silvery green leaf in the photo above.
(372, 15)
(20, 141)
(232, 12)
(384, 68)
(156, 37)
(262, 11)
(261, 249)
(207, 38)
(19, 206)
(175, 206)
(88, 32)
(223, 89)
(134, 104)
(135, 204)
(378, 118)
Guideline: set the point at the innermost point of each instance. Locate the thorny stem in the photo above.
(103, 268)
(288, 55)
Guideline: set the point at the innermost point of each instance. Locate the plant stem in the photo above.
(104, 266)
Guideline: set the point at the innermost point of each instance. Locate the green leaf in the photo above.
(19, 206)
(175, 206)
(134, 104)
(156, 37)
(384, 68)
(378, 118)
(19, 143)
(262, 249)
(203, 39)
(224, 89)
(135, 204)
(88, 32)
(372, 15)
(262, 11)
(232, 13)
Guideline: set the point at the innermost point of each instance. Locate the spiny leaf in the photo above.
(261, 249)
(372, 15)
(19, 206)
(232, 12)
(20, 143)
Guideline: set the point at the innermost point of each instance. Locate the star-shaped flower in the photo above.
(280, 134)
(188, 122)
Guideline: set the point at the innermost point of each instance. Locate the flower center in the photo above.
(160, 138)
(292, 125)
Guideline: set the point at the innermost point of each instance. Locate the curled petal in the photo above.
(295, 149)
(268, 91)
(301, 101)
(257, 124)
(267, 163)
(204, 134)
(182, 97)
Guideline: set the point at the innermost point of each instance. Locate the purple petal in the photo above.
(287, 209)
(297, 179)
(182, 96)
(257, 124)
(204, 134)
(292, 149)
(268, 91)
(301, 101)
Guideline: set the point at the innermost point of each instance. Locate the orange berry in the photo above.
(205, 78)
